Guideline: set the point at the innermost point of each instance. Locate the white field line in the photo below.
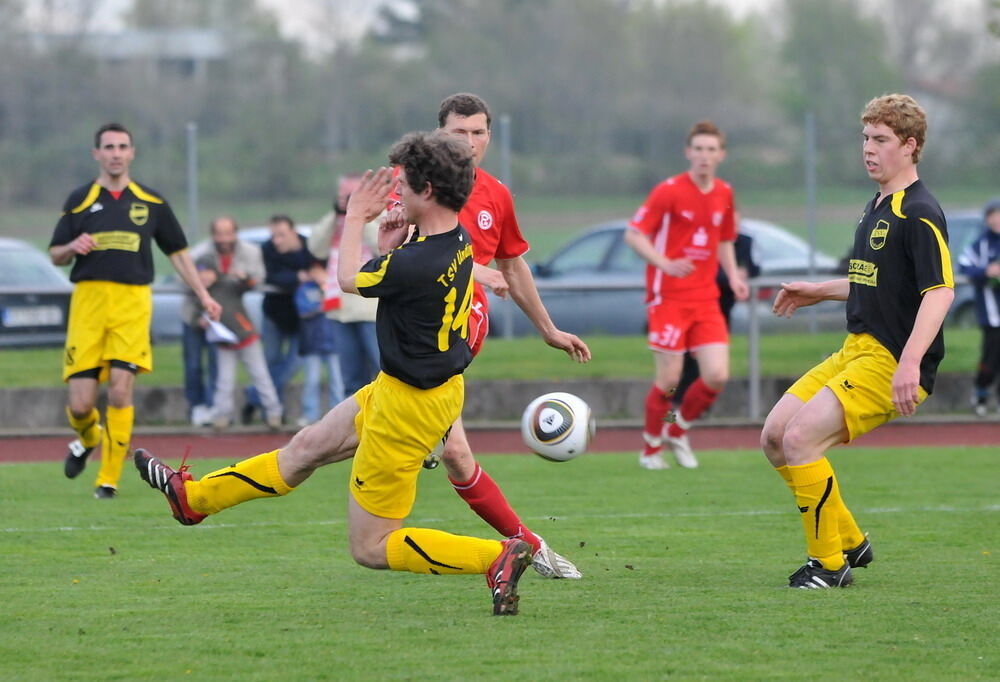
(423, 520)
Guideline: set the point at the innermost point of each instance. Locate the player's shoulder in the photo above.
(723, 186)
(918, 203)
(486, 181)
(78, 194)
(146, 193)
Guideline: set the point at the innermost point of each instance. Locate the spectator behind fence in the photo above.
(286, 264)
(317, 348)
(353, 316)
(980, 262)
(198, 354)
(229, 270)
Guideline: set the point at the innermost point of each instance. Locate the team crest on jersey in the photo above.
(688, 215)
(700, 238)
(484, 220)
(717, 218)
(138, 214)
(877, 238)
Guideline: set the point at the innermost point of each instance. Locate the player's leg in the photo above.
(667, 366)
(84, 418)
(118, 428)
(82, 362)
(271, 474)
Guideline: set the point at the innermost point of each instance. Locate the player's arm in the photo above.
(795, 295)
(491, 278)
(930, 316)
(727, 260)
(181, 260)
(524, 292)
(63, 254)
(365, 204)
(679, 267)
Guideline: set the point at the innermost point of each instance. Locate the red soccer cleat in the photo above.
(504, 573)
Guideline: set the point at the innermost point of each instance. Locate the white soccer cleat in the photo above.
(550, 564)
(653, 462)
(683, 453)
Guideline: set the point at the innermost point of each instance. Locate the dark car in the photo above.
(596, 282)
(34, 297)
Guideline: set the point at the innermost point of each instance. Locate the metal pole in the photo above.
(810, 162)
(753, 352)
(504, 130)
(194, 223)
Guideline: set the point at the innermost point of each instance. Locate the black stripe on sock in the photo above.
(822, 501)
(416, 548)
(248, 481)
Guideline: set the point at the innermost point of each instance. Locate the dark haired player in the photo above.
(424, 287)
(106, 231)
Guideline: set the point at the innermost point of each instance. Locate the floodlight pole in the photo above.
(504, 131)
(810, 161)
(194, 224)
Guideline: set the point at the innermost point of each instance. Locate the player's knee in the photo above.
(119, 396)
(367, 554)
(796, 444)
(716, 380)
(770, 439)
(307, 447)
(456, 451)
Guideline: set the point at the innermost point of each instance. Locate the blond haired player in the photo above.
(898, 291)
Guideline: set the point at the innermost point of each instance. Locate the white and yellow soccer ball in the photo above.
(557, 426)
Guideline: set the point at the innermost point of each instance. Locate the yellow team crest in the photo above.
(877, 238)
(139, 214)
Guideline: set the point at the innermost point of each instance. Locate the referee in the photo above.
(106, 230)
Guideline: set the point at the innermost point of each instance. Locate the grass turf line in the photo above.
(683, 578)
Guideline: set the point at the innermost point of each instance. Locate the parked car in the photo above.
(963, 229)
(596, 282)
(34, 297)
(168, 294)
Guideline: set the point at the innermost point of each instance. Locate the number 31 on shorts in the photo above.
(452, 321)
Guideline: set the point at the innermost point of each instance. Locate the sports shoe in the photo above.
(860, 556)
(550, 564)
(169, 482)
(504, 573)
(273, 422)
(105, 492)
(812, 576)
(76, 458)
(201, 415)
(652, 462)
(683, 453)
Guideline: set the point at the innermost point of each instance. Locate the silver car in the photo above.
(34, 297)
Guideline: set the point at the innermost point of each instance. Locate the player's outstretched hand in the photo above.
(905, 385)
(795, 295)
(571, 343)
(491, 278)
(368, 200)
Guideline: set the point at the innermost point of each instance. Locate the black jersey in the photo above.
(900, 252)
(122, 228)
(424, 289)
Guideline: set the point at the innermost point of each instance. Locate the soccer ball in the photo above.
(557, 426)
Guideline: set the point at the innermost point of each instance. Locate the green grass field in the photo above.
(528, 358)
(684, 574)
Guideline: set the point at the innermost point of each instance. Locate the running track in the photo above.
(26, 448)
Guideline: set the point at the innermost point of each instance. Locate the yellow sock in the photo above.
(247, 480)
(422, 550)
(114, 448)
(87, 428)
(818, 499)
(850, 534)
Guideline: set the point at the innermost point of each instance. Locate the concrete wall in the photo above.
(43, 408)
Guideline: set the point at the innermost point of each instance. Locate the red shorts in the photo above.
(479, 321)
(678, 326)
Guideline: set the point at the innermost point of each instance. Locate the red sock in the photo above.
(486, 499)
(699, 397)
(657, 405)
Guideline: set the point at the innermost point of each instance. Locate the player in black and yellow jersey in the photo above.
(106, 230)
(424, 287)
(898, 291)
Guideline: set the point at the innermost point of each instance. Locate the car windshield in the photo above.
(962, 231)
(586, 255)
(26, 268)
(772, 245)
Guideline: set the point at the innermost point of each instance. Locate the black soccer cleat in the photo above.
(860, 556)
(812, 576)
(169, 482)
(76, 458)
(105, 492)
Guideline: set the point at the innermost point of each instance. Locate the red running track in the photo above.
(611, 439)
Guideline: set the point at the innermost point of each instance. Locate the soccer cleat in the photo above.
(812, 576)
(652, 462)
(273, 422)
(860, 556)
(504, 573)
(169, 482)
(76, 458)
(683, 453)
(105, 492)
(550, 564)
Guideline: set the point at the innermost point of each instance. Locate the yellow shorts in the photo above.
(860, 375)
(397, 426)
(108, 321)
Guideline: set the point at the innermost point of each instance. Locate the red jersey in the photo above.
(683, 222)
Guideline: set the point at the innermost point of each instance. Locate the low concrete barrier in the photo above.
(492, 401)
